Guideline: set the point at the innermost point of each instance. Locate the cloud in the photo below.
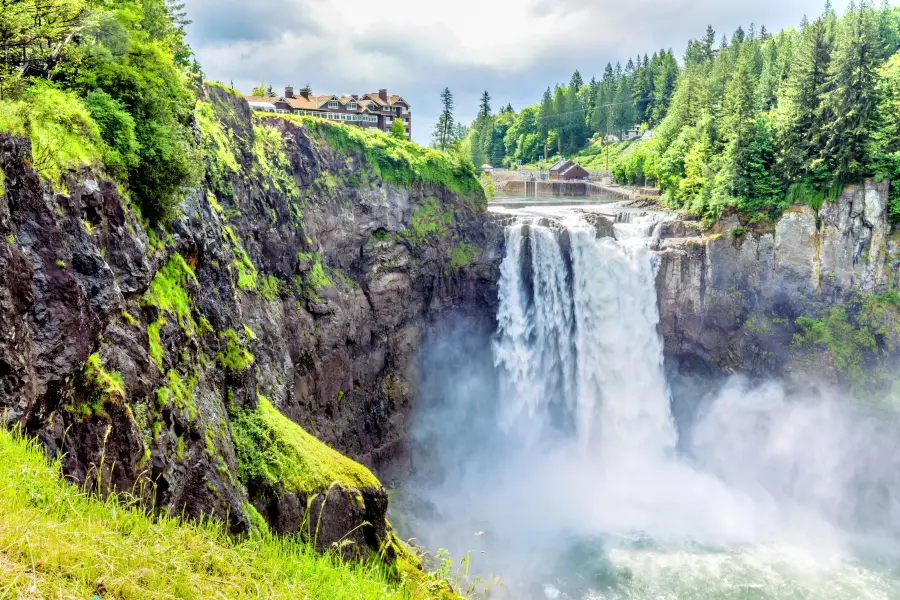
(513, 49)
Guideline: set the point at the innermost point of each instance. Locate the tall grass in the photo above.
(56, 541)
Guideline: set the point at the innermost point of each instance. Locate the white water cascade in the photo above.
(572, 474)
(586, 336)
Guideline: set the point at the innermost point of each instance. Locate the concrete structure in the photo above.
(374, 111)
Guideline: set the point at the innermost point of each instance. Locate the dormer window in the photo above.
(352, 106)
(333, 104)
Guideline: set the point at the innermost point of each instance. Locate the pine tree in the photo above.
(545, 116)
(738, 128)
(484, 109)
(801, 113)
(270, 91)
(445, 128)
(576, 82)
(851, 99)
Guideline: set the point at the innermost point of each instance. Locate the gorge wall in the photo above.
(296, 279)
(730, 297)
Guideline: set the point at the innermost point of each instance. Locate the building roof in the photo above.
(572, 167)
(560, 164)
(318, 102)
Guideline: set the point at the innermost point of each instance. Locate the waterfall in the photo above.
(577, 338)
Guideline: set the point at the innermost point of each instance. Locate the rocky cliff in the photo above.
(730, 297)
(177, 363)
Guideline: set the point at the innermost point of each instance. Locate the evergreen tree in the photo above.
(445, 128)
(484, 109)
(576, 82)
(545, 117)
(738, 128)
(801, 116)
(851, 99)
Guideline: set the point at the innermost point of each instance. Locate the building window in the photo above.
(352, 106)
(333, 104)
(282, 111)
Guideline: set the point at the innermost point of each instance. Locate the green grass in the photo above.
(273, 448)
(397, 161)
(59, 542)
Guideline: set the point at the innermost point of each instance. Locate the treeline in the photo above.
(103, 81)
(756, 121)
(766, 121)
(569, 114)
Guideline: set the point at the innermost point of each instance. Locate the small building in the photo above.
(487, 168)
(568, 170)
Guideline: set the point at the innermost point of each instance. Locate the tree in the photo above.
(801, 119)
(851, 99)
(259, 90)
(884, 144)
(270, 91)
(738, 129)
(443, 134)
(576, 82)
(484, 108)
(398, 130)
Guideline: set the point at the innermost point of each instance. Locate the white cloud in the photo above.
(514, 49)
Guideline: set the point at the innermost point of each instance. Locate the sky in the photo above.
(514, 50)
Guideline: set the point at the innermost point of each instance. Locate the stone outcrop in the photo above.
(729, 297)
(296, 275)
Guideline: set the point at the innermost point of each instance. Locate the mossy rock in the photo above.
(301, 485)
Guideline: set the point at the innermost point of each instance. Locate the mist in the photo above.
(562, 455)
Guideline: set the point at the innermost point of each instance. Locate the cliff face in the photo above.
(729, 298)
(296, 278)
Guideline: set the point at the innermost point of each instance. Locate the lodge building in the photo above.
(374, 111)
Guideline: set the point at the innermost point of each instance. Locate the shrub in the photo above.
(63, 134)
(117, 128)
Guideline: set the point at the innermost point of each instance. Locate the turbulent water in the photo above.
(576, 481)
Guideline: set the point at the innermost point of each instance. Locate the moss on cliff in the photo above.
(272, 448)
(397, 161)
(857, 336)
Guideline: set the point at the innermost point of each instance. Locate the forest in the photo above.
(757, 122)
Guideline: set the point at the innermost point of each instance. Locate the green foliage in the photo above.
(398, 130)
(63, 134)
(428, 219)
(398, 161)
(235, 357)
(218, 148)
(884, 145)
(847, 343)
(118, 131)
(463, 255)
(168, 293)
(272, 448)
(738, 231)
(270, 160)
(67, 539)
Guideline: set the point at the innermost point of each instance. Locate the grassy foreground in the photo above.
(58, 542)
